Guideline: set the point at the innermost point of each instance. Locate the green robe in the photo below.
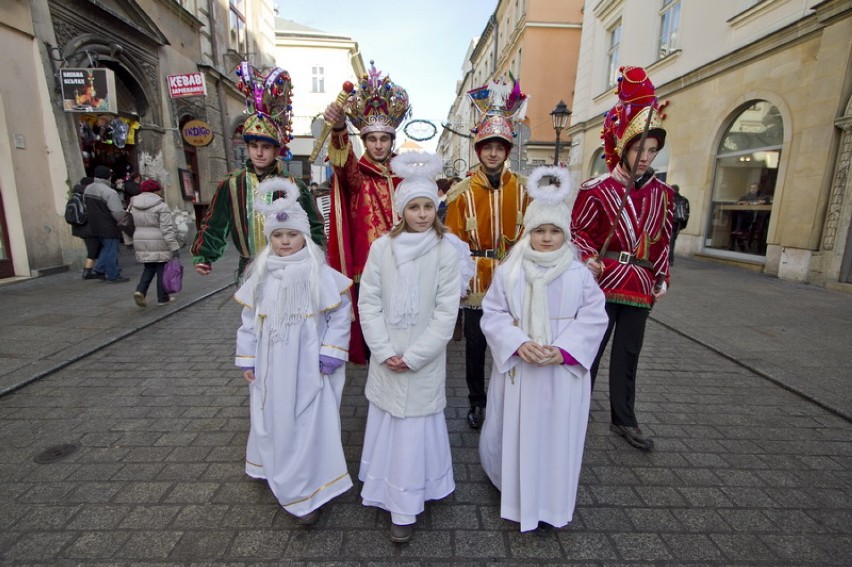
(231, 212)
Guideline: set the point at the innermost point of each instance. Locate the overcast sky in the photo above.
(420, 43)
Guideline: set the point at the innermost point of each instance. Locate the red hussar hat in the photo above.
(626, 120)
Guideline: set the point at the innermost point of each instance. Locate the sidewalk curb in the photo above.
(114, 339)
(839, 413)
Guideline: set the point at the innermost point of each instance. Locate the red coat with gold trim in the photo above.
(362, 210)
(643, 230)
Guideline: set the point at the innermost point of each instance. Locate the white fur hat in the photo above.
(284, 212)
(553, 198)
(418, 170)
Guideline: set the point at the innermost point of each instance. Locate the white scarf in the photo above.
(290, 299)
(405, 297)
(535, 319)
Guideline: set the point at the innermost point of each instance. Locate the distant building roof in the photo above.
(285, 26)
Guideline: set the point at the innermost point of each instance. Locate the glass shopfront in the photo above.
(744, 181)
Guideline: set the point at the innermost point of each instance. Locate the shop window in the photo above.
(744, 181)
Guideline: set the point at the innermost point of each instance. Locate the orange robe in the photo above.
(362, 210)
(490, 221)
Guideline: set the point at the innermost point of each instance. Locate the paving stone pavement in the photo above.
(744, 471)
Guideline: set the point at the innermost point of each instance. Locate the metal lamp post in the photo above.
(559, 116)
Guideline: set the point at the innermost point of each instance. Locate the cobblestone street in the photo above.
(744, 472)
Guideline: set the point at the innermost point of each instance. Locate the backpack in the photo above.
(681, 211)
(75, 210)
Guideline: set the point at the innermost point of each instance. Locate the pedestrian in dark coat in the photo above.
(84, 232)
(104, 210)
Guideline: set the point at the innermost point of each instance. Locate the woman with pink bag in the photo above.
(154, 239)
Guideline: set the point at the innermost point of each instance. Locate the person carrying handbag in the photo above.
(154, 240)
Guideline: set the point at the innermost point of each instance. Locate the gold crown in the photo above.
(378, 104)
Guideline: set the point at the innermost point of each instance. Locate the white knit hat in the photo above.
(553, 198)
(284, 212)
(418, 170)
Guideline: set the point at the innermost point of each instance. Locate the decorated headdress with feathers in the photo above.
(284, 212)
(378, 104)
(418, 170)
(553, 198)
(500, 102)
(269, 101)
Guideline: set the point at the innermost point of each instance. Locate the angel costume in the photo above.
(531, 445)
(409, 301)
(296, 314)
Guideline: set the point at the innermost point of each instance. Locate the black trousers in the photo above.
(474, 357)
(628, 322)
(151, 269)
(93, 247)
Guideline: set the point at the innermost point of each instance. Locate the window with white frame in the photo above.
(317, 79)
(669, 28)
(613, 54)
(237, 26)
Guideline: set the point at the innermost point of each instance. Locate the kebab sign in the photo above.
(187, 84)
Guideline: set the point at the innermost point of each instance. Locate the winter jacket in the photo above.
(154, 238)
(103, 208)
(422, 389)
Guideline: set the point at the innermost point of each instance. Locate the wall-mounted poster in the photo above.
(88, 90)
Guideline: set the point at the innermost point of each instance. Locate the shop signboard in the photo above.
(187, 84)
(88, 90)
(196, 133)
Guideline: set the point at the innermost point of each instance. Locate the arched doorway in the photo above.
(744, 181)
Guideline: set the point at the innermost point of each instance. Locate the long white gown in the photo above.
(531, 445)
(294, 441)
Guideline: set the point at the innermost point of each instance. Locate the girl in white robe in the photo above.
(408, 302)
(543, 318)
(292, 347)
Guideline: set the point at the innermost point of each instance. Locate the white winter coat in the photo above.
(421, 390)
(154, 238)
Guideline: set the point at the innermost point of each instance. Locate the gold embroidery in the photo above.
(318, 490)
(335, 348)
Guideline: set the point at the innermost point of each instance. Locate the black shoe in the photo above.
(310, 518)
(401, 534)
(475, 417)
(119, 279)
(543, 529)
(634, 436)
(93, 275)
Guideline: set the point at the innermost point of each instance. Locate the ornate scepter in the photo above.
(326, 129)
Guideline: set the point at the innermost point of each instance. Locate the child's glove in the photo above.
(328, 364)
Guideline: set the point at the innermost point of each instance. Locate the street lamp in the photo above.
(559, 116)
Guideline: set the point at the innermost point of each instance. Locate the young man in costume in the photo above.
(362, 190)
(621, 225)
(486, 210)
(232, 212)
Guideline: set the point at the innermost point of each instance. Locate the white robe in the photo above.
(531, 445)
(294, 441)
(406, 459)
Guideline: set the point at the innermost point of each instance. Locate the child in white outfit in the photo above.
(408, 303)
(543, 318)
(292, 347)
